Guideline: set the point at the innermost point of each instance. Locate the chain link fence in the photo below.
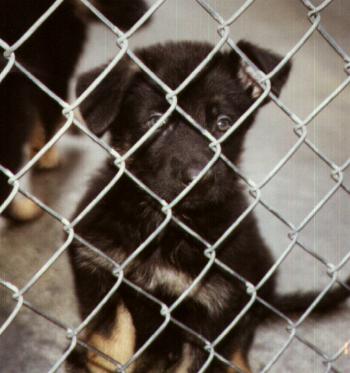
(299, 127)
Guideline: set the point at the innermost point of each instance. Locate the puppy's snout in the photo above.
(189, 174)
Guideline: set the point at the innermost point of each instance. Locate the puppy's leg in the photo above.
(16, 118)
(240, 360)
(187, 360)
(192, 359)
(119, 344)
(237, 345)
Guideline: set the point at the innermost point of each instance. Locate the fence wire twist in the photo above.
(299, 128)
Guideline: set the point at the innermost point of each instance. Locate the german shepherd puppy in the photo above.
(50, 54)
(127, 104)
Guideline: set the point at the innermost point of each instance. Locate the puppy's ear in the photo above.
(266, 61)
(101, 107)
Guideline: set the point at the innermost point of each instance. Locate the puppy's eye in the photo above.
(223, 123)
(152, 120)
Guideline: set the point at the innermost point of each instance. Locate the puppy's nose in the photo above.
(191, 173)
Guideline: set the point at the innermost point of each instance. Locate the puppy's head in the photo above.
(128, 104)
(123, 13)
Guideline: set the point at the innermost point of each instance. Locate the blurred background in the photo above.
(32, 344)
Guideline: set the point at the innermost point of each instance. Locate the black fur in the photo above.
(126, 216)
(51, 54)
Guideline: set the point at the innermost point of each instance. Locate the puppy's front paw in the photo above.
(23, 210)
(37, 141)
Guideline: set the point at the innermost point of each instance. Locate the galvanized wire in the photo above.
(299, 129)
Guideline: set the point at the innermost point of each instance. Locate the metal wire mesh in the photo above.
(300, 128)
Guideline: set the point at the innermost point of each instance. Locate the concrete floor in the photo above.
(32, 345)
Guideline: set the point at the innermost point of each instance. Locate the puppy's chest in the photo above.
(213, 293)
(156, 275)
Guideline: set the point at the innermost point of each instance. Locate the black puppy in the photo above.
(50, 54)
(128, 104)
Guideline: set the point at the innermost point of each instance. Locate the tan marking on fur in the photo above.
(120, 345)
(78, 117)
(177, 282)
(50, 160)
(92, 261)
(186, 361)
(23, 209)
(38, 139)
(241, 362)
(133, 68)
